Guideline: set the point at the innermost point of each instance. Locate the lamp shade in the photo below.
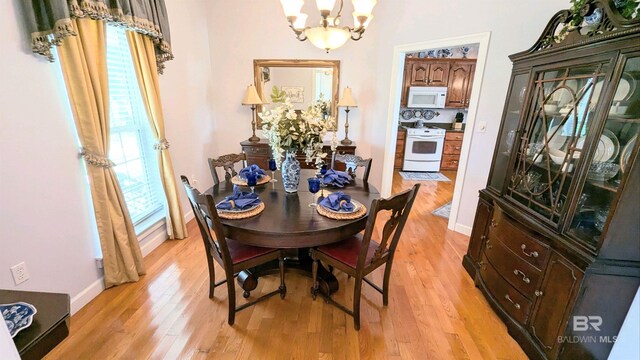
(347, 99)
(364, 7)
(251, 96)
(327, 38)
(291, 7)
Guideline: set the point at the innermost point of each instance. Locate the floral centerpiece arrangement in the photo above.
(290, 132)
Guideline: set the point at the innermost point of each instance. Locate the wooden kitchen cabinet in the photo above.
(560, 260)
(424, 72)
(451, 151)
(399, 159)
(460, 82)
(259, 153)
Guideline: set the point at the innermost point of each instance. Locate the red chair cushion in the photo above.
(240, 252)
(347, 251)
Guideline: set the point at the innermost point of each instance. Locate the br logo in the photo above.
(584, 323)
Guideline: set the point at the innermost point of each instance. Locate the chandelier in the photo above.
(328, 35)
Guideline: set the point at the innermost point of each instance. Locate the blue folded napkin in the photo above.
(240, 200)
(253, 168)
(338, 201)
(336, 178)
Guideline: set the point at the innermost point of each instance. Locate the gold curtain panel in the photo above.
(50, 21)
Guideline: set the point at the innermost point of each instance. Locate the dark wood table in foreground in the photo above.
(289, 223)
(50, 324)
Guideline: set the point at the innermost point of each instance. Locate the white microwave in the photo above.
(427, 97)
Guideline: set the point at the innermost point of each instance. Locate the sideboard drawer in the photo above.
(519, 273)
(517, 239)
(516, 305)
(257, 150)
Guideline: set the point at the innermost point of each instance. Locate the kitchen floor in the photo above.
(433, 194)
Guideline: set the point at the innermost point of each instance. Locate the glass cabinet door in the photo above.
(563, 104)
(610, 162)
(508, 134)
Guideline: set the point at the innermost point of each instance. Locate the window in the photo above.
(131, 146)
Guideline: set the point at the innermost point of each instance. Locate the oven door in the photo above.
(424, 148)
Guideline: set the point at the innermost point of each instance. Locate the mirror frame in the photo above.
(333, 64)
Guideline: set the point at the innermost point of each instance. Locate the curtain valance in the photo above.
(49, 21)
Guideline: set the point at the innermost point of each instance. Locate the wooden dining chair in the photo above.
(359, 255)
(232, 255)
(227, 163)
(352, 162)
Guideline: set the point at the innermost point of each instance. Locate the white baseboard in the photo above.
(151, 241)
(86, 295)
(463, 229)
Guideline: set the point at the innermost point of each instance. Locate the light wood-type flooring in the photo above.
(434, 311)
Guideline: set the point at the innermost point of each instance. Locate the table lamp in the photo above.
(347, 101)
(251, 98)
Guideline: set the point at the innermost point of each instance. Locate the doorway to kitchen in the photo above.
(435, 87)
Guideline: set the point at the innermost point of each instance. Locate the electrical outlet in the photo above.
(482, 126)
(20, 273)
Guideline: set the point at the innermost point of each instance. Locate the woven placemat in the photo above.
(342, 216)
(238, 181)
(243, 214)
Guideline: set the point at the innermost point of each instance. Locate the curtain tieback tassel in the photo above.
(163, 144)
(96, 160)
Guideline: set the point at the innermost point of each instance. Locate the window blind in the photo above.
(131, 142)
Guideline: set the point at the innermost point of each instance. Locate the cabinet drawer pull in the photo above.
(538, 293)
(524, 277)
(531, 254)
(489, 246)
(458, 148)
(483, 237)
(482, 265)
(515, 304)
(494, 223)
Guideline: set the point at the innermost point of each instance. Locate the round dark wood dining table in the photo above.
(288, 222)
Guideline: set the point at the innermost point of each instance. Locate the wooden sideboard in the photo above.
(451, 152)
(259, 153)
(554, 246)
(50, 324)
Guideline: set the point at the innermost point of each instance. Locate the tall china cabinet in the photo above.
(555, 246)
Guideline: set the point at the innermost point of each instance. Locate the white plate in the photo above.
(624, 90)
(608, 147)
(356, 207)
(626, 153)
(558, 140)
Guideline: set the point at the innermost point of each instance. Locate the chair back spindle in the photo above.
(352, 163)
(227, 163)
(399, 207)
(207, 218)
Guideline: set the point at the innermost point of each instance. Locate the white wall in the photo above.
(45, 211)
(366, 64)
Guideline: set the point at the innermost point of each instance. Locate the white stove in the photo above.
(423, 148)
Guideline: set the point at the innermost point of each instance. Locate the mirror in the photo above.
(304, 81)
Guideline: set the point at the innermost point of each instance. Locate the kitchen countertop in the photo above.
(446, 126)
